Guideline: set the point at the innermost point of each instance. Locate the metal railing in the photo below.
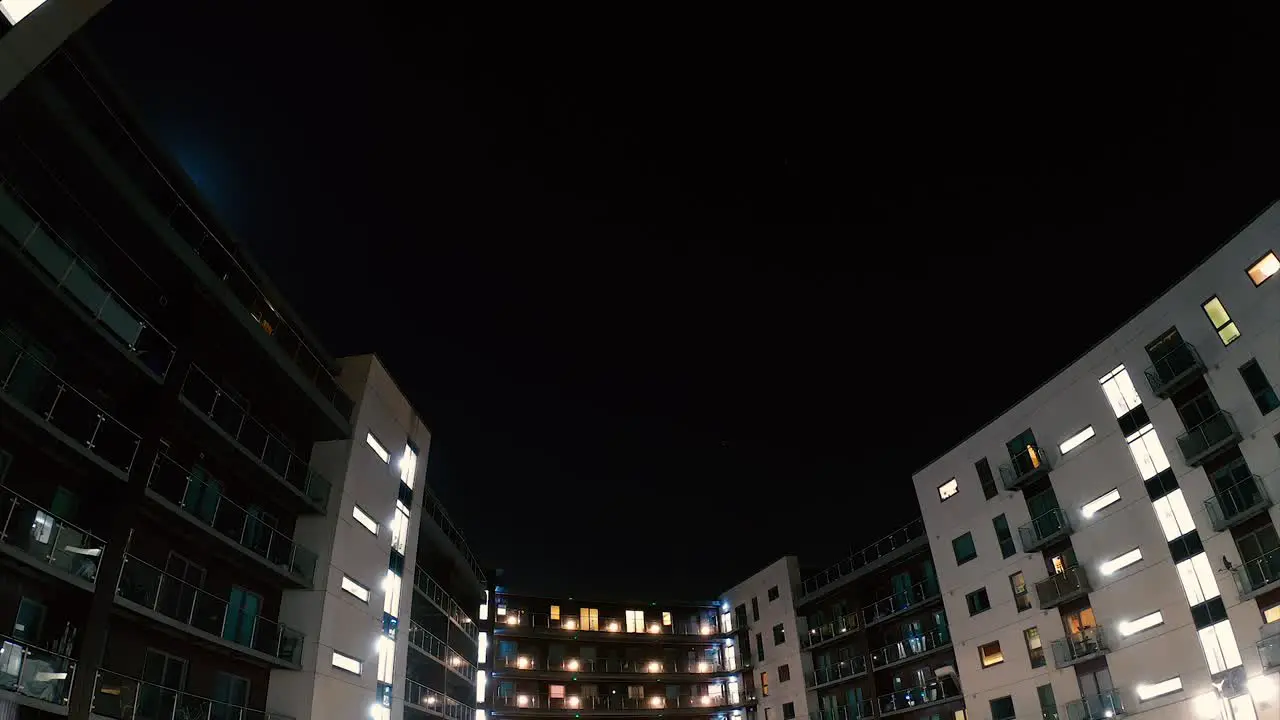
(1060, 586)
(31, 384)
(434, 509)
(1023, 466)
(898, 602)
(125, 698)
(1079, 645)
(47, 538)
(219, 256)
(253, 437)
(850, 667)
(190, 605)
(830, 631)
(907, 648)
(1256, 574)
(1043, 529)
(71, 274)
(1269, 652)
(1107, 704)
(904, 535)
(1180, 363)
(907, 698)
(35, 672)
(1201, 441)
(860, 711)
(1235, 501)
(438, 649)
(418, 694)
(205, 502)
(539, 701)
(424, 583)
(608, 665)
(573, 623)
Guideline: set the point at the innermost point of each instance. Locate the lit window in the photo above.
(1035, 647)
(345, 662)
(399, 530)
(1091, 508)
(1120, 392)
(948, 488)
(990, 654)
(391, 593)
(482, 648)
(1271, 614)
(635, 621)
(1219, 645)
(408, 465)
(1146, 622)
(1263, 269)
(380, 451)
(1196, 575)
(1174, 515)
(666, 619)
(484, 607)
(1147, 452)
(764, 683)
(363, 518)
(354, 588)
(1227, 331)
(386, 658)
(556, 692)
(482, 679)
(15, 10)
(1076, 440)
(555, 612)
(1155, 690)
(1121, 562)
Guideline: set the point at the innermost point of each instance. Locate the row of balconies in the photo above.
(587, 666)
(435, 702)
(1092, 707)
(615, 703)
(918, 595)
(425, 585)
(865, 559)
(435, 648)
(518, 619)
(887, 656)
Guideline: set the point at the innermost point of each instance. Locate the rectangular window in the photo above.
(355, 589)
(1271, 614)
(1147, 452)
(773, 593)
(1219, 645)
(1196, 575)
(345, 662)
(1002, 708)
(635, 621)
(1266, 266)
(635, 692)
(1155, 690)
(590, 618)
(977, 601)
(666, 619)
(788, 711)
(964, 549)
(1092, 507)
(779, 634)
(1035, 649)
(1173, 515)
(377, 447)
(1146, 622)
(755, 610)
(784, 672)
(556, 692)
(990, 654)
(1121, 394)
(399, 529)
(408, 464)
(948, 488)
(1021, 597)
(363, 518)
(1263, 394)
(1048, 704)
(391, 593)
(1120, 562)
(1217, 312)
(1076, 440)
(764, 683)
(555, 612)
(760, 647)
(985, 478)
(1001, 525)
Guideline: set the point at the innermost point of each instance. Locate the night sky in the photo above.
(679, 293)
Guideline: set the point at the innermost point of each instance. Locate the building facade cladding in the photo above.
(1141, 571)
(765, 600)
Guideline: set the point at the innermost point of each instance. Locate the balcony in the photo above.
(252, 438)
(860, 711)
(917, 698)
(35, 673)
(1259, 575)
(41, 539)
(823, 634)
(78, 282)
(922, 593)
(1096, 707)
(47, 400)
(203, 502)
(434, 702)
(609, 666)
(124, 698)
(853, 667)
(435, 510)
(436, 649)
(911, 648)
(519, 620)
(1078, 647)
(1240, 502)
(431, 590)
(1175, 370)
(591, 704)
(1044, 530)
(1269, 652)
(877, 554)
(1025, 467)
(1215, 434)
(207, 616)
(1062, 587)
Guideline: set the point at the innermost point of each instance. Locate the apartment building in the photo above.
(1109, 543)
(875, 635)
(772, 638)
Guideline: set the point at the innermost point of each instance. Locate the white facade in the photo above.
(1145, 661)
(767, 596)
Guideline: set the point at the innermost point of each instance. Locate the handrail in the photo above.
(1196, 441)
(1052, 589)
(1088, 641)
(434, 592)
(125, 698)
(1029, 460)
(848, 622)
(896, 602)
(608, 665)
(438, 649)
(415, 693)
(1041, 527)
(36, 672)
(433, 507)
(931, 692)
(823, 674)
(909, 647)
(1255, 574)
(613, 702)
(1234, 500)
(1103, 705)
(1269, 652)
(864, 556)
(40, 534)
(1164, 370)
(516, 617)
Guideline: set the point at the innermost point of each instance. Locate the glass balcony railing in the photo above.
(514, 618)
(852, 667)
(440, 651)
(48, 539)
(1024, 467)
(424, 583)
(179, 600)
(590, 703)
(907, 648)
(1174, 369)
(204, 501)
(30, 384)
(1096, 707)
(857, 711)
(899, 602)
(1043, 530)
(124, 698)
(868, 555)
(34, 672)
(1061, 587)
(1079, 646)
(77, 279)
(435, 510)
(914, 698)
(1258, 574)
(1269, 652)
(610, 665)
(1237, 503)
(253, 437)
(436, 702)
(830, 631)
(1205, 440)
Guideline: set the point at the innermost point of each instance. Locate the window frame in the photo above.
(1031, 652)
(779, 634)
(1257, 395)
(357, 512)
(1008, 536)
(955, 490)
(956, 552)
(378, 447)
(347, 579)
(970, 605)
(334, 663)
(784, 672)
(1248, 271)
(1219, 328)
(983, 654)
(1019, 596)
(774, 593)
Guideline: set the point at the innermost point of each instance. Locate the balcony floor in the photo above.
(1215, 449)
(913, 658)
(1241, 517)
(837, 681)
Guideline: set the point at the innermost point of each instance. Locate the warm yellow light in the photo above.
(654, 666)
(569, 625)
(706, 629)
(455, 661)
(704, 667)
(613, 627)
(574, 701)
(573, 666)
(431, 699)
(513, 620)
(522, 662)
(522, 700)
(706, 699)
(655, 628)
(655, 701)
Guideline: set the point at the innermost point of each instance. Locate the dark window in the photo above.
(1134, 420)
(1047, 702)
(1021, 597)
(985, 478)
(1162, 484)
(741, 613)
(788, 711)
(1197, 409)
(779, 635)
(1259, 387)
(784, 672)
(390, 624)
(760, 647)
(773, 593)
(1001, 525)
(1210, 612)
(1002, 708)
(1187, 546)
(396, 563)
(755, 610)
(1035, 648)
(964, 549)
(977, 601)
(405, 495)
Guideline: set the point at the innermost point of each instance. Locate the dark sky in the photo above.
(679, 293)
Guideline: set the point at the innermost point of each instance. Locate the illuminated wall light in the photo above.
(572, 665)
(656, 701)
(522, 700)
(655, 628)
(1146, 622)
(575, 701)
(502, 610)
(481, 714)
(704, 667)
(654, 666)
(706, 699)
(706, 630)
(513, 620)
(1091, 508)
(431, 699)
(522, 662)
(1208, 705)
(1076, 440)
(455, 661)
(613, 626)
(1123, 561)
(569, 624)
(482, 681)
(1155, 690)
(1265, 688)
